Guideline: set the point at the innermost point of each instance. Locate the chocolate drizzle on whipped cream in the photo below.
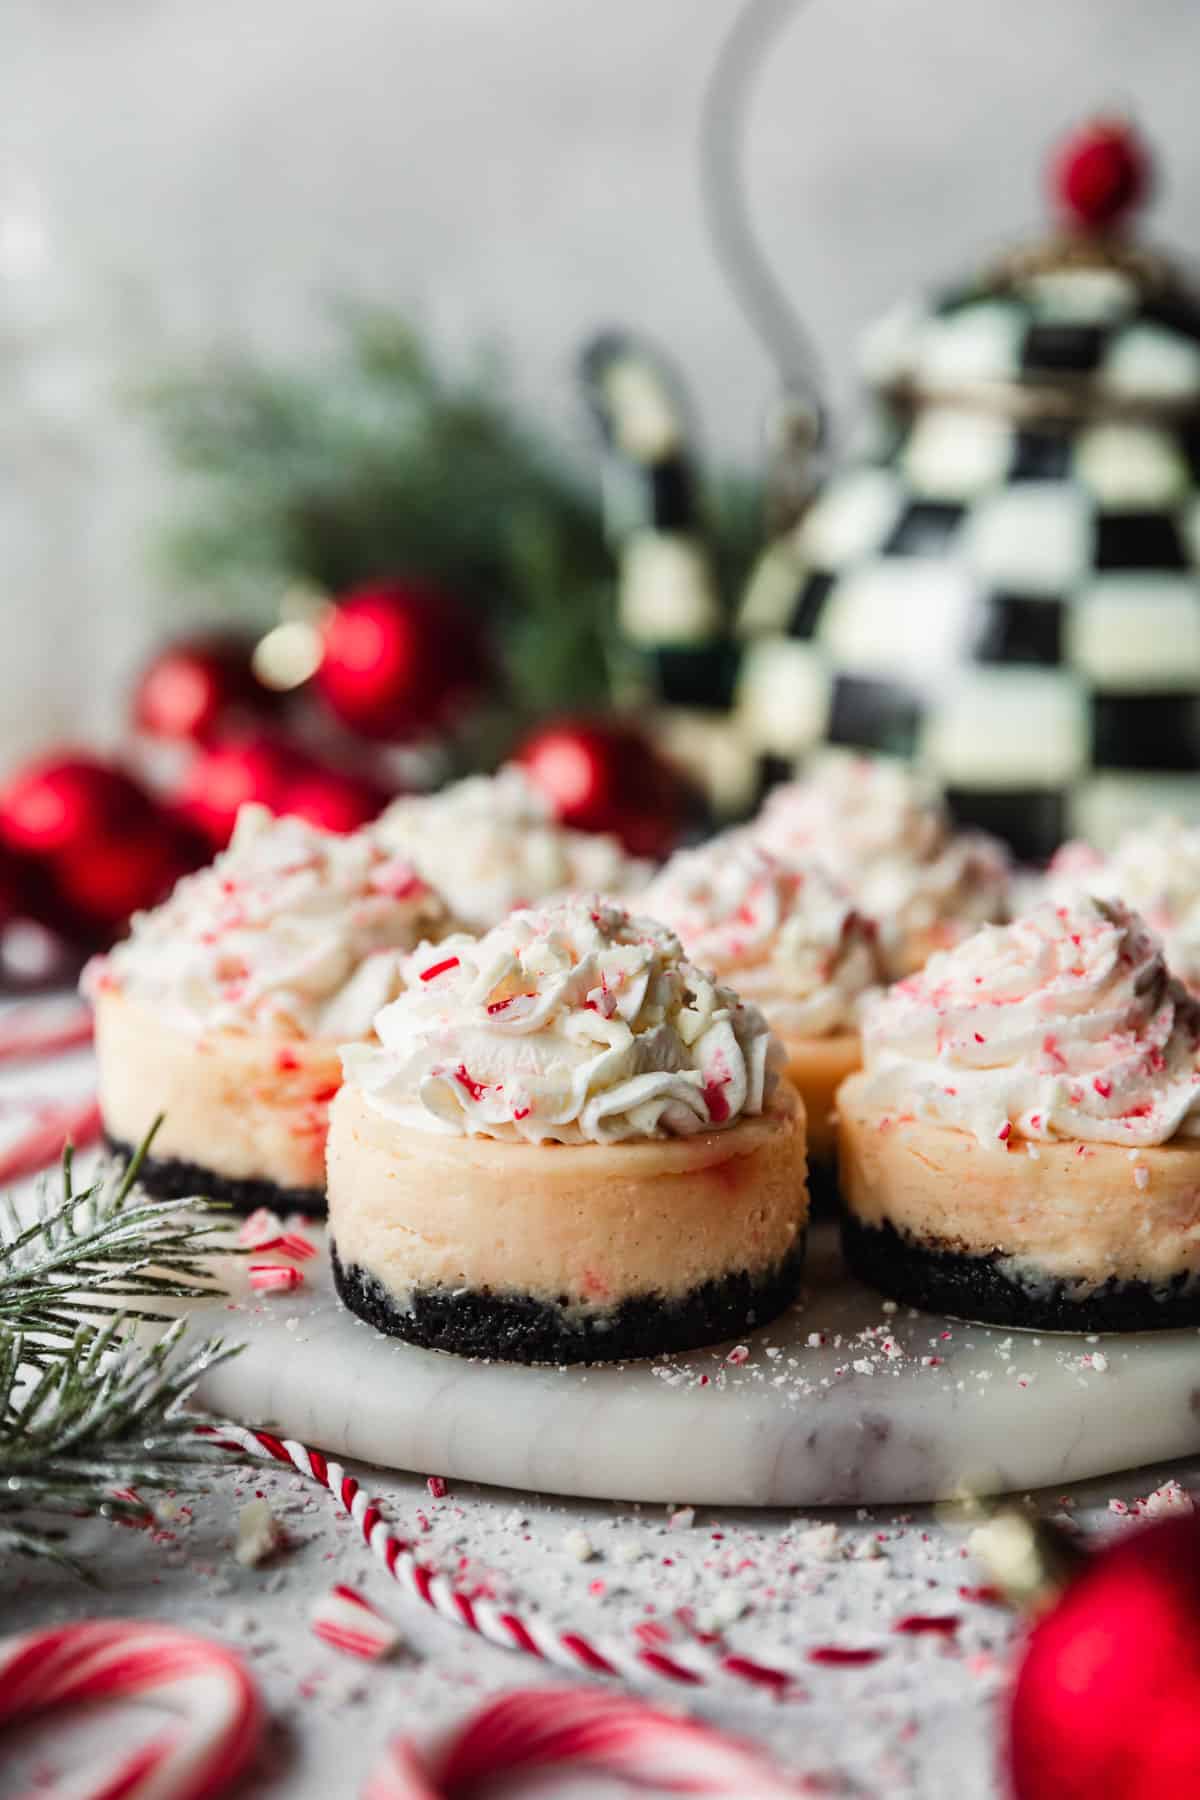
(292, 931)
(783, 933)
(491, 843)
(1065, 1024)
(577, 1023)
(887, 836)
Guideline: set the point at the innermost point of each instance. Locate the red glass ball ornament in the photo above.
(102, 888)
(226, 777)
(1101, 172)
(1107, 1698)
(603, 775)
(62, 803)
(335, 801)
(197, 686)
(397, 659)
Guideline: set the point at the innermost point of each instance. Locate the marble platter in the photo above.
(840, 1402)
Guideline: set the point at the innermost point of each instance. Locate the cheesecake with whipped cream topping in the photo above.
(224, 1008)
(568, 1144)
(784, 935)
(1022, 1145)
(491, 844)
(886, 835)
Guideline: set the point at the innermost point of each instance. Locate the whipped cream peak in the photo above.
(783, 932)
(1155, 868)
(1064, 1024)
(491, 844)
(577, 1023)
(885, 833)
(292, 931)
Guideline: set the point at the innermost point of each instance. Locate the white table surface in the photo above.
(922, 1720)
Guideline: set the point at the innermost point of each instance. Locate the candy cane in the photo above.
(217, 1715)
(580, 1729)
(56, 1125)
(692, 1665)
(36, 1029)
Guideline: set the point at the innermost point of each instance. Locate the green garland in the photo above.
(373, 462)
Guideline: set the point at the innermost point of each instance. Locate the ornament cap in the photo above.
(1100, 174)
(1030, 1559)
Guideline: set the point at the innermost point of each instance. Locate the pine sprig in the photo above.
(91, 1251)
(90, 1419)
(96, 1429)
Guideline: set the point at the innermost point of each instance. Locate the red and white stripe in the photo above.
(274, 1278)
(216, 1715)
(579, 1729)
(55, 1125)
(43, 1028)
(691, 1664)
(344, 1619)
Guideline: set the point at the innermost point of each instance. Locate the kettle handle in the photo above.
(798, 428)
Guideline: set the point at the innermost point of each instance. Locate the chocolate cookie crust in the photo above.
(519, 1328)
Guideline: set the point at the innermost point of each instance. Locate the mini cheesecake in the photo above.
(491, 844)
(1022, 1146)
(224, 1009)
(784, 935)
(568, 1146)
(886, 835)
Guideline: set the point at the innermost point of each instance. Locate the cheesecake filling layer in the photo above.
(1076, 1213)
(579, 1227)
(579, 1024)
(291, 933)
(491, 844)
(243, 1107)
(887, 836)
(780, 931)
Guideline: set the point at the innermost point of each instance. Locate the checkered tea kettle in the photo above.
(1006, 586)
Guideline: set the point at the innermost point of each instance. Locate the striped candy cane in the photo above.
(579, 1729)
(216, 1713)
(575, 1651)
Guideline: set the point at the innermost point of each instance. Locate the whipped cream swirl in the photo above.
(1155, 869)
(783, 933)
(575, 1024)
(886, 835)
(1065, 1024)
(292, 931)
(491, 844)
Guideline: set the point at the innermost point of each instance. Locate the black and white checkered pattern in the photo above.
(1017, 607)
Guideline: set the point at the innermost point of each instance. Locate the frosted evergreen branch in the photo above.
(89, 1252)
(98, 1429)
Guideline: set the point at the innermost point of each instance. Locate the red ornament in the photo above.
(102, 887)
(226, 777)
(62, 804)
(1100, 174)
(335, 801)
(397, 659)
(1107, 1699)
(197, 686)
(602, 775)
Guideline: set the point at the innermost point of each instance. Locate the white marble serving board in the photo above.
(860, 1416)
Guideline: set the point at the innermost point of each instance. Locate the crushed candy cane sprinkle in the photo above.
(577, 1023)
(1066, 1024)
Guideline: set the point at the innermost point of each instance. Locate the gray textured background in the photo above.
(521, 171)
